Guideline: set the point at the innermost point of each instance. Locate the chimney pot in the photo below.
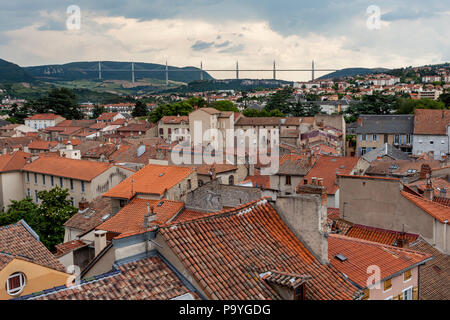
(99, 241)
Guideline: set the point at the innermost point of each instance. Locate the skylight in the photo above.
(341, 257)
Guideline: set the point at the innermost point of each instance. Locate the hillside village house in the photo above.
(26, 265)
(432, 132)
(109, 117)
(84, 179)
(172, 128)
(11, 187)
(210, 118)
(375, 130)
(43, 120)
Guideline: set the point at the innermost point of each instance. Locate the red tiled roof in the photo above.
(145, 279)
(361, 254)
(42, 144)
(432, 122)
(333, 213)
(152, 179)
(174, 119)
(226, 253)
(443, 201)
(69, 168)
(69, 246)
(131, 218)
(17, 242)
(326, 167)
(187, 215)
(379, 235)
(107, 115)
(434, 209)
(43, 116)
(13, 162)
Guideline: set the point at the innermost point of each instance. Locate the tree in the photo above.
(182, 108)
(54, 210)
(98, 110)
(140, 109)
(305, 109)
(224, 105)
(407, 106)
(281, 100)
(46, 219)
(61, 101)
(262, 113)
(445, 98)
(371, 104)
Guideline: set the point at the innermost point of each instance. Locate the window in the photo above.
(431, 142)
(396, 139)
(408, 139)
(161, 131)
(71, 201)
(43, 179)
(288, 180)
(366, 295)
(28, 177)
(71, 184)
(363, 137)
(82, 186)
(61, 182)
(407, 275)
(189, 184)
(299, 293)
(407, 294)
(387, 284)
(374, 137)
(169, 131)
(52, 182)
(231, 180)
(28, 193)
(35, 178)
(36, 199)
(363, 151)
(15, 283)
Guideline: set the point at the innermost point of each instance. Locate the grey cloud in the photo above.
(233, 49)
(201, 45)
(223, 44)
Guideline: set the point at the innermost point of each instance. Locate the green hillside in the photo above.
(10, 72)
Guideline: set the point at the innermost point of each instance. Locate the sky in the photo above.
(335, 34)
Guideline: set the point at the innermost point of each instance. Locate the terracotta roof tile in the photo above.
(17, 241)
(42, 144)
(227, 252)
(145, 279)
(69, 168)
(174, 119)
(152, 179)
(131, 218)
(43, 116)
(92, 217)
(69, 246)
(431, 122)
(379, 235)
(434, 209)
(107, 115)
(326, 167)
(13, 162)
(361, 254)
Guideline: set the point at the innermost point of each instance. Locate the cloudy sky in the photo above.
(336, 34)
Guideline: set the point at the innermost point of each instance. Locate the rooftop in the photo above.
(152, 179)
(432, 122)
(434, 209)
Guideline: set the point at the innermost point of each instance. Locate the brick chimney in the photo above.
(83, 204)
(316, 187)
(99, 241)
(424, 170)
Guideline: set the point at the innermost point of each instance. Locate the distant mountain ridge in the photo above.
(10, 72)
(351, 72)
(112, 70)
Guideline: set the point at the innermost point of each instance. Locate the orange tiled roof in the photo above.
(361, 254)
(174, 119)
(42, 144)
(228, 251)
(326, 167)
(43, 116)
(152, 179)
(379, 235)
(433, 122)
(13, 162)
(131, 218)
(187, 215)
(17, 242)
(107, 115)
(434, 209)
(66, 247)
(68, 168)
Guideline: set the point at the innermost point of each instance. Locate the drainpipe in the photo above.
(445, 235)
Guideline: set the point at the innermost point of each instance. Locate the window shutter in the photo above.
(415, 293)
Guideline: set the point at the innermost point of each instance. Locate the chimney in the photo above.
(149, 217)
(402, 241)
(429, 191)
(306, 217)
(99, 241)
(424, 170)
(251, 169)
(212, 172)
(83, 204)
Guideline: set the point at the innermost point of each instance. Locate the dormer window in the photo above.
(15, 283)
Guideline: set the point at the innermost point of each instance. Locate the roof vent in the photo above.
(160, 204)
(341, 257)
(106, 216)
(161, 174)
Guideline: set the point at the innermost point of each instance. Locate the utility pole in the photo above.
(274, 71)
(99, 70)
(201, 70)
(237, 69)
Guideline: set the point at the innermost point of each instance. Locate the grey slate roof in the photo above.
(389, 124)
(385, 150)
